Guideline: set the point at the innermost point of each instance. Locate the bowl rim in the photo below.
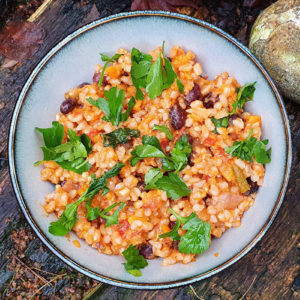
(73, 263)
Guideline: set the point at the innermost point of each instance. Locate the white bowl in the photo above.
(71, 62)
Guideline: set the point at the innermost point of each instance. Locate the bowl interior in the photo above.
(74, 63)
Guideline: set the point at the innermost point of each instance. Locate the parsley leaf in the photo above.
(222, 122)
(165, 129)
(114, 218)
(173, 185)
(150, 148)
(180, 153)
(197, 238)
(245, 94)
(250, 147)
(119, 136)
(140, 66)
(135, 261)
(161, 76)
(69, 217)
(71, 155)
(108, 60)
(112, 108)
(151, 177)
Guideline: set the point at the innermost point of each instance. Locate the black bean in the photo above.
(96, 77)
(178, 116)
(82, 85)
(67, 106)
(193, 95)
(234, 117)
(253, 187)
(146, 251)
(209, 100)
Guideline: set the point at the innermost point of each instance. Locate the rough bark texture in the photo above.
(269, 271)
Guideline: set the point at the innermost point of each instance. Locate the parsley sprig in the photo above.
(135, 261)
(197, 237)
(112, 107)
(71, 155)
(250, 147)
(151, 148)
(69, 217)
(108, 60)
(156, 77)
(165, 129)
(244, 94)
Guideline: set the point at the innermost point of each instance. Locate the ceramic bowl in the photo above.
(72, 62)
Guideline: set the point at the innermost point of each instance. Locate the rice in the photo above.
(146, 213)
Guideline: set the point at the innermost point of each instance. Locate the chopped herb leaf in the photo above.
(71, 155)
(108, 60)
(250, 147)
(112, 107)
(140, 66)
(69, 217)
(245, 94)
(173, 185)
(119, 136)
(197, 237)
(151, 177)
(135, 261)
(165, 129)
(222, 122)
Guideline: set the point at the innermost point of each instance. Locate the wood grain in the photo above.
(269, 271)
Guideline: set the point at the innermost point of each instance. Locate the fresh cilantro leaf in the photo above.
(140, 66)
(245, 94)
(69, 217)
(197, 237)
(112, 107)
(151, 177)
(150, 148)
(173, 233)
(135, 261)
(114, 218)
(108, 60)
(161, 76)
(154, 86)
(222, 122)
(52, 136)
(250, 147)
(165, 129)
(173, 185)
(119, 136)
(169, 74)
(180, 153)
(71, 155)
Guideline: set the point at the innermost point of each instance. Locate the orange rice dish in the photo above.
(216, 180)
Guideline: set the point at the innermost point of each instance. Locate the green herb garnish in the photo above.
(69, 217)
(165, 129)
(119, 136)
(108, 60)
(112, 107)
(71, 155)
(197, 238)
(140, 66)
(135, 261)
(161, 76)
(249, 148)
(151, 148)
(244, 94)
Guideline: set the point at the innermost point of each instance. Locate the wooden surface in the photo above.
(269, 271)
